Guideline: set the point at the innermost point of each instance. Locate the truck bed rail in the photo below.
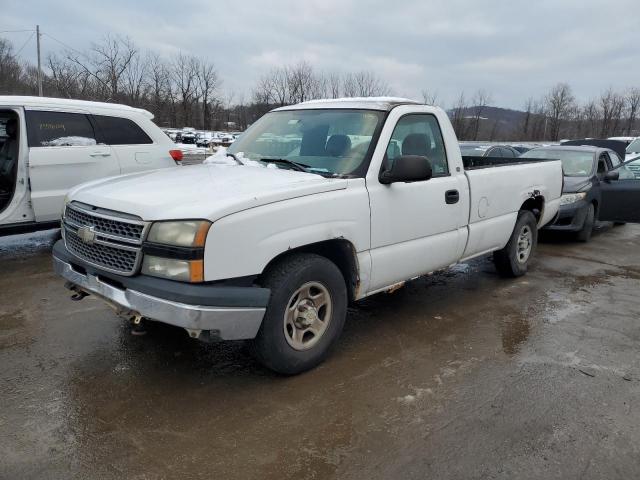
(473, 162)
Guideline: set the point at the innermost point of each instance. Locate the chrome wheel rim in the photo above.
(307, 315)
(525, 244)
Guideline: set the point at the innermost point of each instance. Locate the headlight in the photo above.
(175, 250)
(180, 270)
(569, 198)
(192, 233)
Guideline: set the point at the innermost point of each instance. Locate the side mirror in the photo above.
(611, 176)
(407, 168)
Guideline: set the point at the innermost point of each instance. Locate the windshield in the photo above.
(322, 141)
(574, 163)
(634, 147)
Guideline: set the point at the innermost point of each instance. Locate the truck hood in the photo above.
(200, 191)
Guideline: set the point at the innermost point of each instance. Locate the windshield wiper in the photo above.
(235, 158)
(300, 167)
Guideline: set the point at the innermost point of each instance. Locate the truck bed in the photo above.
(496, 195)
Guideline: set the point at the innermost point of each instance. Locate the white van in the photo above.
(48, 145)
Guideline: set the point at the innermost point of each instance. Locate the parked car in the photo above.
(272, 248)
(204, 139)
(222, 140)
(521, 148)
(188, 135)
(594, 179)
(52, 144)
(488, 150)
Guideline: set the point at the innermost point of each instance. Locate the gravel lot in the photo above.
(458, 375)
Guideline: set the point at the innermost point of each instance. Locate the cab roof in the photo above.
(366, 103)
(65, 103)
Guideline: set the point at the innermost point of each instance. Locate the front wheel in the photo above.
(513, 259)
(584, 235)
(305, 315)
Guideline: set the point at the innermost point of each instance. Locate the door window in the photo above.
(120, 131)
(419, 134)
(625, 173)
(59, 129)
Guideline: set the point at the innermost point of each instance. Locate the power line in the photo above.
(65, 45)
(16, 31)
(25, 43)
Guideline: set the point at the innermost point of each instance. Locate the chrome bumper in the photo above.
(224, 322)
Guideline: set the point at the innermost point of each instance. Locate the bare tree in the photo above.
(526, 122)
(302, 82)
(106, 63)
(611, 104)
(273, 87)
(364, 84)
(334, 85)
(632, 98)
(458, 119)
(480, 101)
(208, 81)
(10, 68)
(559, 102)
(134, 80)
(184, 71)
(429, 97)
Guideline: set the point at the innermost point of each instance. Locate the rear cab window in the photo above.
(59, 129)
(119, 131)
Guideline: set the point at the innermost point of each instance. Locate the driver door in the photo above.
(620, 197)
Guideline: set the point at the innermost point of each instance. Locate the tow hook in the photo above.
(76, 297)
(138, 328)
(77, 294)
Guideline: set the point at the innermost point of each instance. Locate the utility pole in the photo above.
(39, 64)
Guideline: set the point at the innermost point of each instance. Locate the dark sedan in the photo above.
(488, 150)
(588, 175)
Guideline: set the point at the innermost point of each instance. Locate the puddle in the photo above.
(515, 331)
(11, 321)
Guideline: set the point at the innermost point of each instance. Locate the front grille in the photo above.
(110, 257)
(105, 225)
(113, 243)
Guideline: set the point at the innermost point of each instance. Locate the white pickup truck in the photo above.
(316, 205)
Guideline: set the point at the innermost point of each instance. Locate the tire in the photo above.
(513, 260)
(584, 235)
(298, 329)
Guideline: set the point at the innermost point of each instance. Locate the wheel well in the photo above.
(535, 205)
(339, 251)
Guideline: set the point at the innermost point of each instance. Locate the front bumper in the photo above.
(570, 218)
(222, 322)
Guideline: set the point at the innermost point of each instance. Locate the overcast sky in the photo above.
(511, 48)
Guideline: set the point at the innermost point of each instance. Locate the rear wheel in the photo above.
(513, 259)
(305, 315)
(584, 235)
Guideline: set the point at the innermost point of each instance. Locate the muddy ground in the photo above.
(459, 375)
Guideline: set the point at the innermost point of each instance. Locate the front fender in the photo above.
(243, 243)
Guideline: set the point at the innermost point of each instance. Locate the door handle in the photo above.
(100, 154)
(451, 196)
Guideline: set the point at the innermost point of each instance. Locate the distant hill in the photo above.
(495, 123)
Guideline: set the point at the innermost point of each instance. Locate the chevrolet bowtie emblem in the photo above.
(87, 235)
